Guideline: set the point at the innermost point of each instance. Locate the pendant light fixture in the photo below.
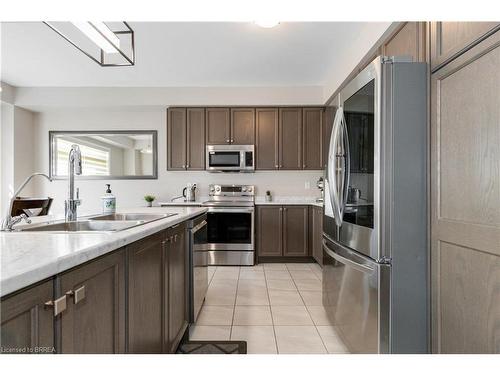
(108, 47)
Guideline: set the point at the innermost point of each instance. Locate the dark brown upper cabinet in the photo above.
(146, 294)
(218, 126)
(195, 150)
(267, 138)
(290, 138)
(176, 139)
(26, 322)
(295, 231)
(312, 149)
(242, 126)
(94, 320)
(451, 39)
(186, 139)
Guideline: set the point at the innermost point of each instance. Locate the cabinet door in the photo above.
(195, 139)
(243, 126)
(312, 125)
(94, 320)
(177, 284)
(269, 229)
(267, 136)
(450, 39)
(26, 324)
(218, 126)
(408, 41)
(465, 201)
(145, 295)
(295, 231)
(176, 139)
(290, 138)
(316, 233)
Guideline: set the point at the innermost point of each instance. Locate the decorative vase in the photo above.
(149, 204)
(269, 198)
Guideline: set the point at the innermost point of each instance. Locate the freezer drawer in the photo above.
(356, 298)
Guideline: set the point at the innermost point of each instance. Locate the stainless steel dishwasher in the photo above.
(198, 265)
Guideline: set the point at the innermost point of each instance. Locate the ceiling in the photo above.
(185, 54)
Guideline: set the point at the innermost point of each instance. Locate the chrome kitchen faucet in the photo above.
(74, 167)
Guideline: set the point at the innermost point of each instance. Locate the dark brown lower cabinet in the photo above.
(94, 319)
(177, 285)
(316, 233)
(27, 326)
(282, 232)
(295, 231)
(146, 315)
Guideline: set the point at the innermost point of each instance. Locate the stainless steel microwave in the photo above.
(230, 158)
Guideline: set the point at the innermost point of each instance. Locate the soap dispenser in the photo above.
(108, 201)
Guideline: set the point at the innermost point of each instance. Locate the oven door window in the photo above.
(230, 227)
(224, 159)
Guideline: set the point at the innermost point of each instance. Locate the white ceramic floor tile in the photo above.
(332, 340)
(215, 316)
(299, 266)
(278, 284)
(201, 333)
(252, 297)
(319, 315)
(299, 340)
(315, 267)
(291, 316)
(252, 316)
(277, 274)
(253, 274)
(303, 275)
(222, 273)
(285, 298)
(308, 284)
(312, 297)
(275, 266)
(251, 283)
(260, 339)
(221, 292)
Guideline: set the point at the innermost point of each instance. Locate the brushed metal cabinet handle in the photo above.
(59, 305)
(77, 294)
(175, 237)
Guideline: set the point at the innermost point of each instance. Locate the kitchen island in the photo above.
(100, 292)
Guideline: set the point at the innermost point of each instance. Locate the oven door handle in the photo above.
(231, 210)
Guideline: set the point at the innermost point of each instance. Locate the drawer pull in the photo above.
(59, 305)
(77, 294)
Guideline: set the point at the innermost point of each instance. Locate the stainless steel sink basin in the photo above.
(84, 226)
(128, 217)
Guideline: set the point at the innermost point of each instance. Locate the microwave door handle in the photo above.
(332, 165)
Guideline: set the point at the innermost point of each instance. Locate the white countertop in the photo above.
(29, 257)
(260, 201)
(180, 202)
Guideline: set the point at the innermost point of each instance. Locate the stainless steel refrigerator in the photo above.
(375, 286)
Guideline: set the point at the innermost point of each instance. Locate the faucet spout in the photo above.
(74, 167)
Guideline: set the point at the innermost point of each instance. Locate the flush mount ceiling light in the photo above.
(108, 44)
(267, 23)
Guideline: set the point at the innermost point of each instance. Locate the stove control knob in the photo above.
(250, 189)
(217, 188)
(244, 188)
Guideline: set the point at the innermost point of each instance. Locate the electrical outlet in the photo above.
(307, 185)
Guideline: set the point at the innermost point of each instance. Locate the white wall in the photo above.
(130, 192)
(7, 152)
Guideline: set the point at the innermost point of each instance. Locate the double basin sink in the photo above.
(101, 223)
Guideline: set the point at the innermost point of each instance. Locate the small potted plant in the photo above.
(149, 200)
(269, 197)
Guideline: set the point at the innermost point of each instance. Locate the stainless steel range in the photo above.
(231, 230)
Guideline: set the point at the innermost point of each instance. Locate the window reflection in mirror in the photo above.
(106, 155)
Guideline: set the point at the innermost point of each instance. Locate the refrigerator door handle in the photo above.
(346, 173)
(348, 259)
(332, 162)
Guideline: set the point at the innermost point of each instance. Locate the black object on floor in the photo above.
(212, 347)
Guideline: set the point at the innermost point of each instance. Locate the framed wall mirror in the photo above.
(128, 154)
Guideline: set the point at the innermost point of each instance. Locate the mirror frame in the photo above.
(154, 133)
